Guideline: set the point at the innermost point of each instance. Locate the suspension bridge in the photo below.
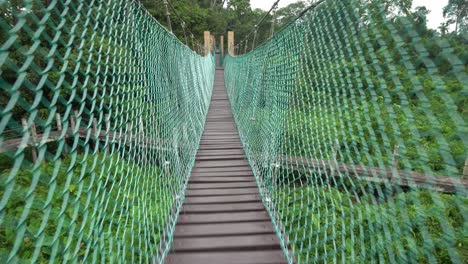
(342, 138)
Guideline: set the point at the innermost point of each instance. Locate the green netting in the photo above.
(353, 119)
(101, 113)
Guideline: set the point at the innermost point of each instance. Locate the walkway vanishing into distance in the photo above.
(223, 219)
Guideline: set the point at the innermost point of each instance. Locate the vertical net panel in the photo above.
(353, 118)
(101, 112)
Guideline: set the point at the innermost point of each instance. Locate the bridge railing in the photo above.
(101, 111)
(353, 121)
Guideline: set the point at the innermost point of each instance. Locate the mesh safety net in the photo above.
(101, 113)
(353, 118)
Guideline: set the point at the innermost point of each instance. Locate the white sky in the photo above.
(434, 18)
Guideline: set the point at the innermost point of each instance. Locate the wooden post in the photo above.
(69, 131)
(221, 45)
(214, 43)
(230, 42)
(334, 160)
(274, 174)
(58, 119)
(143, 142)
(95, 130)
(129, 131)
(185, 33)
(273, 20)
(168, 15)
(108, 132)
(76, 125)
(33, 134)
(72, 123)
(95, 133)
(255, 37)
(207, 40)
(465, 170)
(166, 168)
(395, 157)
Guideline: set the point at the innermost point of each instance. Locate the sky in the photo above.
(433, 19)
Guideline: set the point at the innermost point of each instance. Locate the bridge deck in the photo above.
(223, 219)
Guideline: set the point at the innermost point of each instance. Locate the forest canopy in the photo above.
(220, 16)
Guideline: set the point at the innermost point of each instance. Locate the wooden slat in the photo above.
(223, 217)
(218, 229)
(233, 207)
(219, 141)
(219, 157)
(230, 191)
(221, 169)
(223, 164)
(246, 242)
(241, 198)
(246, 257)
(220, 136)
(219, 152)
(222, 173)
(231, 133)
(197, 186)
(221, 179)
(227, 146)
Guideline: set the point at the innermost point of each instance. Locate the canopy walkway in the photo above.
(341, 139)
(223, 219)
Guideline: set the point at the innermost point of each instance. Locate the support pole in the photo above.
(231, 43)
(143, 141)
(95, 127)
(95, 134)
(465, 170)
(395, 157)
(58, 120)
(185, 33)
(221, 45)
(255, 37)
(109, 140)
(334, 166)
(168, 15)
(72, 123)
(207, 41)
(273, 21)
(32, 132)
(213, 43)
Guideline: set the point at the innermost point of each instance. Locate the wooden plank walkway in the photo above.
(223, 219)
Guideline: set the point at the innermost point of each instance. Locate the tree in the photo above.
(240, 7)
(456, 12)
(287, 14)
(443, 28)
(420, 17)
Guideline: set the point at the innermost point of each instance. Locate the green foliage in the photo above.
(218, 17)
(456, 12)
(360, 229)
(289, 13)
(349, 90)
(89, 215)
(389, 103)
(120, 83)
